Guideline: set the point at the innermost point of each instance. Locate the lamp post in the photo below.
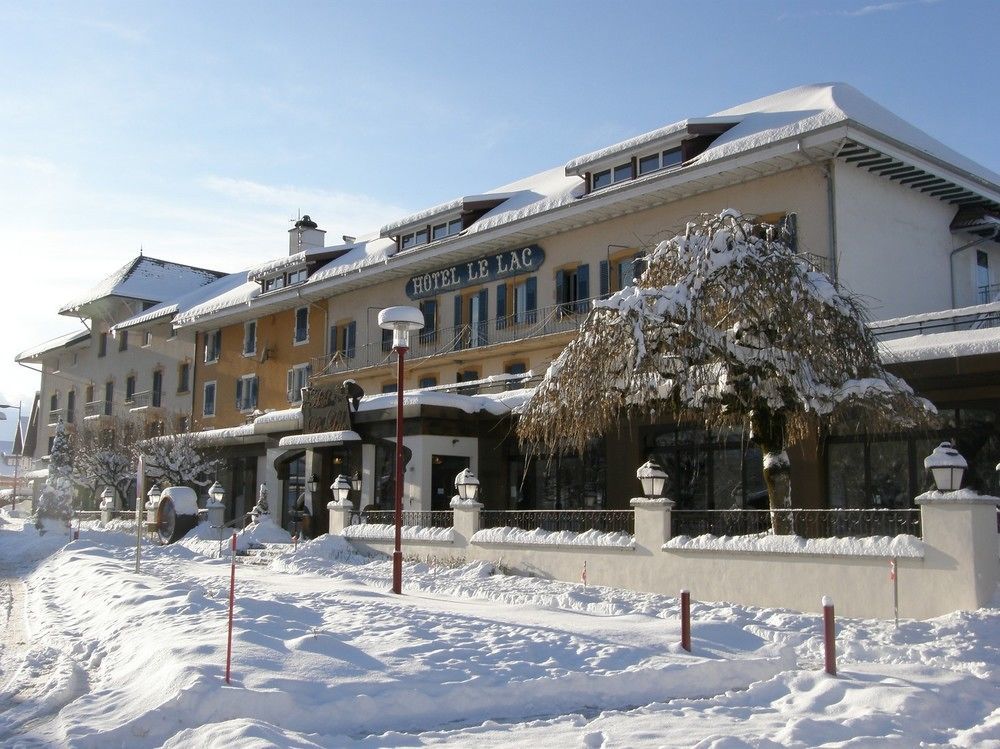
(17, 458)
(652, 478)
(467, 486)
(947, 465)
(401, 321)
(340, 488)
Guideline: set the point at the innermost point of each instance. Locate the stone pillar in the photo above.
(216, 513)
(652, 522)
(107, 509)
(466, 519)
(340, 515)
(960, 547)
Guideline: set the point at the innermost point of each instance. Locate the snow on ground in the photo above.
(326, 656)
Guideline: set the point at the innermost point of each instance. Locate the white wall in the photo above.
(893, 244)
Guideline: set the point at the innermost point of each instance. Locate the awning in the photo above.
(319, 439)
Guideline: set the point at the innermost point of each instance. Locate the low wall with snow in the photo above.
(955, 565)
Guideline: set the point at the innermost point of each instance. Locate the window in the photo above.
(573, 288)
(301, 325)
(515, 368)
(446, 229)
(298, 378)
(389, 387)
(246, 393)
(183, 377)
(123, 340)
(660, 160)
(467, 375)
(130, 388)
(147, 338)
(53, 402)
(343, 338)
(517, 302)
(70, 406)
(621, 270)
(297, 276)
(427, 381)
(983, 275)
(171, 333)
(208, 400)
(429, 309)
(157, 387)
(213, 345)
(250, 338)
(89, 394)
(471, 311)
(109, 394)
(386, 340)
(273, 284)
(102, 345)
(607, 177)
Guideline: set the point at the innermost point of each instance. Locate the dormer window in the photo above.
(608, 177)
(288, 278)
(273, 284)
(660, 160)
(440, 231)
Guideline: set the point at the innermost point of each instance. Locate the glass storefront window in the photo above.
(846, 474)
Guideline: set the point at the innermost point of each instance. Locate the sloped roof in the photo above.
(147, 279)
(68, 339)
(228, 290)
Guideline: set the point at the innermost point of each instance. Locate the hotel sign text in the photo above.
(474, 272)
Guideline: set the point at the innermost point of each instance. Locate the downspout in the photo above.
(967, 245)
(831, 196)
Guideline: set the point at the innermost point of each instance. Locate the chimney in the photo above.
(305, 235)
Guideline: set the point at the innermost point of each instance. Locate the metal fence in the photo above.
(577, 521)
(806, 523)
(428, 519)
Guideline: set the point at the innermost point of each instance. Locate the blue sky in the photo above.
(197, 130)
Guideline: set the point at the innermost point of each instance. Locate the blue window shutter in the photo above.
(484, 305)
(561, 287)
(239, 394)
(582, 287)
(501, 306)
(334, 340)
(639, 264)
(531, 297)
(352, 332)
(460, 336)
(605, 278)
(253, 392)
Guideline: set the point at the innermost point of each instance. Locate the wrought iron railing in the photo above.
(577, 521)
(558, 318)
(425, 519)
(146, 399)
(989, 293)
(54, 415)
(97, 408)
(806, 523)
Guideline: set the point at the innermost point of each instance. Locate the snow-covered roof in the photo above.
(233, 291)
(196, 298)
(62, 341)
(147, 279)
(949, 345)
(320, 439)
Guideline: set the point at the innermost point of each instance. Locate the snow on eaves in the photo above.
(414, 218)
(496, 404)
(366, 252)
(949, 345)
(62, 341)
(273, 266)
(180, 305)
(243, 293)
(148, 279)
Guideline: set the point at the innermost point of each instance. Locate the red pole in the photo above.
(397, 553)
(686, 620)
(829, 637)
(232, 597)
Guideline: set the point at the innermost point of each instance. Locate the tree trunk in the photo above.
(768, 431)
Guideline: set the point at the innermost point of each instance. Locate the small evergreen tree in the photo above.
(56, 500)
(261, 511)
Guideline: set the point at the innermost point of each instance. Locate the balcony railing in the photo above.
(989, 293)
(146, 399)
(805, 523)
(558, 318)
(54, 415)
(97, 408)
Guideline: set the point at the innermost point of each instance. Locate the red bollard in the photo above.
(232, 598)
(686, 620)
(295, 542)
(829, 637)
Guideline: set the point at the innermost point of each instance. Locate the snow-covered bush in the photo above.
(179, 460)
(55, 505)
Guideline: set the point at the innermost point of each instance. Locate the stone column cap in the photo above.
(961, 497)
(338, 504)
(652, 502)
(457, 503)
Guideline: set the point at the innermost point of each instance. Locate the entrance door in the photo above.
(444, 469)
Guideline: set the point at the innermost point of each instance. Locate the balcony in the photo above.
(559, 318)
(96, 409)
(989, 293)
(145, 400)
(54, 416)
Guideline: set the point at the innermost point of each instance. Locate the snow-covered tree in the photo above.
(55, 505)
(729, 325)
(261, 508)
(179, 460)
(106, 455)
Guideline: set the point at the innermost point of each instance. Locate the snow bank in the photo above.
(381, 532)
(538, 537)
(875, 546)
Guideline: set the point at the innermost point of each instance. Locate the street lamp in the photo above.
(152, 505)
(340, 488)
(17, 458)
(652, 478)
(947, 465)
(467, 485)
(401, 321)
(313, 484)
(356, 482)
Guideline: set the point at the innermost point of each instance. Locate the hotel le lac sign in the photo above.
(475, 272)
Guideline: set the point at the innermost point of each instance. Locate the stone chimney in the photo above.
(305, 235)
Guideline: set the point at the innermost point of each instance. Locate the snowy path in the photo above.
(325, 656)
